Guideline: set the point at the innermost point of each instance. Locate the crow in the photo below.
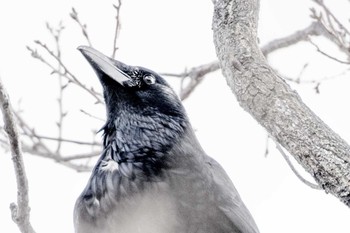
(153, 176)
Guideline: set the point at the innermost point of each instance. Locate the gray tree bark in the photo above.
(271, 101)
(21, 211)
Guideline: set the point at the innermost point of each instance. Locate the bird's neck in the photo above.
(140, 144)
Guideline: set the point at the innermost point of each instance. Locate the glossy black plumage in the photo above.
(153, 176)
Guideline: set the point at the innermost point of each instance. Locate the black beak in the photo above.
(101, 63)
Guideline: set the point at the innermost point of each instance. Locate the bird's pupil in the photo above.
(149, 79)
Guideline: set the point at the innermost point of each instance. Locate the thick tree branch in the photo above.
(271, 101)
(198, 73)
(20, 211)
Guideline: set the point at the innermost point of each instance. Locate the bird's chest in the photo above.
(152, 211)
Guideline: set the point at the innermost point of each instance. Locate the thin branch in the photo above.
(339, 34)
(62, 114)
(313, 29)
(83, 27)
(196, 75)
(56, 34)
(298, 80)
(329, 13)
(39, 148)
(117, 27)
(37, 142)
(267, 146)
(33, 134)
(92, 116)
(82, 156)
(20, 211)
(301, 72)
(66, 72)
(61, 160)
(327, 55)
(35, 54)
(300, 177)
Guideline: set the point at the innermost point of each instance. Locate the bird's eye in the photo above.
(149, 79)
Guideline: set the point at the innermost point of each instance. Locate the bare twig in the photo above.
(339, 34)
(267, 146)
(301, 72)
(33, 134)
(117, 27)
(327, 78)
(20, 211)
(74, 16)
(39, 148)
(66, 140)
(92, 116)
(327, 55)
(57, 158)
(302, 179)
(330, 14)
(66, 72)
(56, 34)
(37, 145)
(82, 156)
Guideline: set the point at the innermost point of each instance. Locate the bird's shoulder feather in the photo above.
(228, 199)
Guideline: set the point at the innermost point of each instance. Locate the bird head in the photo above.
(132, 88)
(144, 115)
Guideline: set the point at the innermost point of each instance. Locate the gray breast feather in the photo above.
(151, 211)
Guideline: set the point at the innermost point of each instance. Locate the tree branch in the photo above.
(314, 29)
(65, 73)
(33, 134)
(197, 74)
(117, 27)
(39, 148)
(56, 34)
(270, 100)
(83, 27)
(327, 55)
(335, 30)
(296, 173)
(65, 161)
(20, 211)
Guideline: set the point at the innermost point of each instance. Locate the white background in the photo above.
(168, 36)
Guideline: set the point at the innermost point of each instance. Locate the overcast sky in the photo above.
(168, 36)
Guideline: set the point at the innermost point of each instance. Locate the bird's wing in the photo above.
(229, 201)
